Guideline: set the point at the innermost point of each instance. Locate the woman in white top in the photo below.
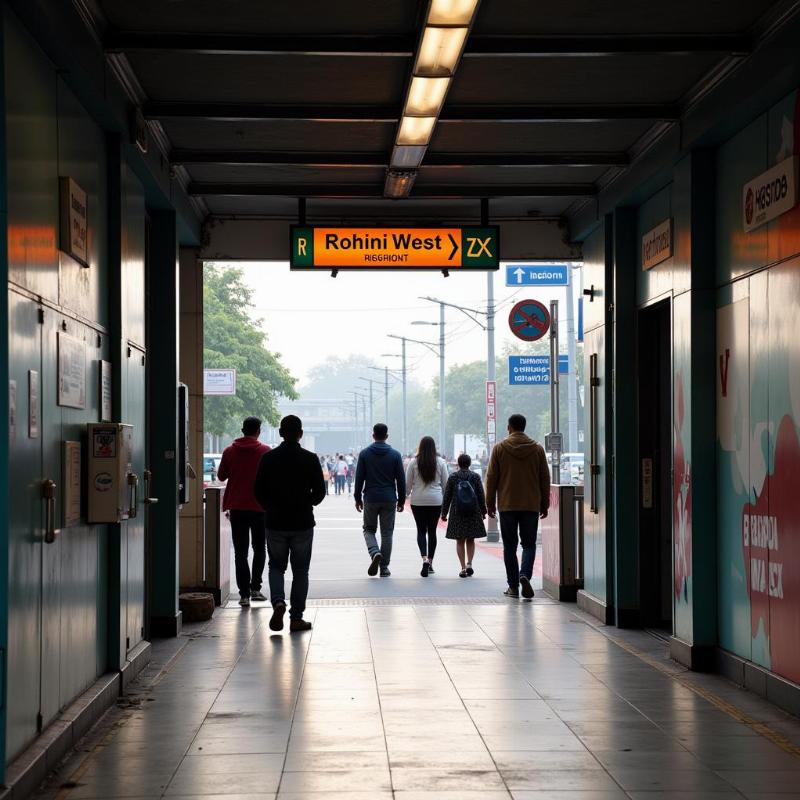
(426, 478)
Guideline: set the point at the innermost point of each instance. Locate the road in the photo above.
(339, 563)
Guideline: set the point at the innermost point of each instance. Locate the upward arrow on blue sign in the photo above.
(537, 275)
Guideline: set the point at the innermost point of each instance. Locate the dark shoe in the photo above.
(525, 585)
(297, 625)
(463, 574)
(470, 571)
(244, 602)
(511, 593)
(375, 565)
(431, 570)
(385, 572)
(426, 568)
(276, 620)
(258, 596)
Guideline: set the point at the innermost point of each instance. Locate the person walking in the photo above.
(351, 473)
(288, 485)
(380, 477)
(426, 478)
(465, 505)
(341, 474)
(518, 484)
(238, 467)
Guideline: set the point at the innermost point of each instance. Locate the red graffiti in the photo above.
(723, 371)
(681, 499)
(770, 538)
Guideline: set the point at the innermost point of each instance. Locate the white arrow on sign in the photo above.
(520, 273)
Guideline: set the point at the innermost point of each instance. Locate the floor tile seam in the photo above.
(296, 701)
(726, 707)
(243, 647)
(555, 711)
(464, 705)
(380, 704)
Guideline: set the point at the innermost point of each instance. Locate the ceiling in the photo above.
(258, 104)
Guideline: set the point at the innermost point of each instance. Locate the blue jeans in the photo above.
(519, 527)
(385, 512)
(285, 547)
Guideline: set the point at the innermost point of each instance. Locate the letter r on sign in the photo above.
(301, 245)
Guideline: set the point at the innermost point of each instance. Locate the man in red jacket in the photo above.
(239, 466)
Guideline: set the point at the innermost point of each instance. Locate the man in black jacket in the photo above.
(288, 485)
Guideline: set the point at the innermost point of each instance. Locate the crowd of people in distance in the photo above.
(271, 493)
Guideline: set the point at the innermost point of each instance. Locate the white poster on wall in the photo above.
(219, 382)
(71, 371)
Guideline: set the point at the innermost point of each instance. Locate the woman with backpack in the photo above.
(426, 478)
(465, 503)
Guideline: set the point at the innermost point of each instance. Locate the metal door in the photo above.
(26, 535)
(134, 551)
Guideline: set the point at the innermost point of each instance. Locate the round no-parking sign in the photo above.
(529, 320)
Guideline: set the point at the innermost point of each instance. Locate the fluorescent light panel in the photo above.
(451, 12)
(408, 156)
(425, 96)
(439, 51)
(415, 130)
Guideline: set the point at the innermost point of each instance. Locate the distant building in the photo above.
(329, 425)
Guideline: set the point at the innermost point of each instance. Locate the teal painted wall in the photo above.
(757, 387)
(58, 594)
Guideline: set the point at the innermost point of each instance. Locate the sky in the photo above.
(311, 317)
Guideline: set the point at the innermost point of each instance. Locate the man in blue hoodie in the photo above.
(380, 476)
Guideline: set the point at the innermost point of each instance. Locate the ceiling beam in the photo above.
(239, 112)
(387, 46)
(370, 190)
(455, 160)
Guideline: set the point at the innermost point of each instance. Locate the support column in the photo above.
(162, 280)
(191, 373)
(624, 473)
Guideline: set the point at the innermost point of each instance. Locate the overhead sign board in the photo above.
(657, 244)
(771, 194)
(529, 320)
(537, 275)
(459, 248)
(219, 382)
(533, 370)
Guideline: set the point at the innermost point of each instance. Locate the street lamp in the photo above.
(386, 372)
(440, 323)
(405, 391)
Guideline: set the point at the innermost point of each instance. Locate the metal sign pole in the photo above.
(555, 444)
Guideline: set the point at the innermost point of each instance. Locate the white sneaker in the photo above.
(244, 602)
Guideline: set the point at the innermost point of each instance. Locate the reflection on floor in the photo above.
(432, 702)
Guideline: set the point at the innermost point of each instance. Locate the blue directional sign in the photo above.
(533, 370)
(537, 275)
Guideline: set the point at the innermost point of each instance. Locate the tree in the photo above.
(234, 340)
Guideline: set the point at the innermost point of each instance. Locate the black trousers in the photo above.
(245, 524)
(427, 519)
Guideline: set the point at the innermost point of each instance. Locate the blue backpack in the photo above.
(466, 499)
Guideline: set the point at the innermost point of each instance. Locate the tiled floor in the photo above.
(431, 702)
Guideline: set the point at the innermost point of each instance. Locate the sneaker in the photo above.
(431, 570)
(244, 602)
(462, 574)
(375, 565)
(426, 568)
(511, 593)
(258, 596)
(276, 620)
(385, 572)
(297, 625)
(525, 585)
(470, 572)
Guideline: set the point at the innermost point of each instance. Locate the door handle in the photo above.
(49, 497)
(148, 477)
(133, 486)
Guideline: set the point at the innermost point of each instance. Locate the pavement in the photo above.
(339, 562)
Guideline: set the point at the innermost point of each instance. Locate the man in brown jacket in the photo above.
(518, 483)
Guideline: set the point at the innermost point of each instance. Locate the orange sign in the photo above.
(394, 248)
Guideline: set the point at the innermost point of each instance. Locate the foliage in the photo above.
(234, 340)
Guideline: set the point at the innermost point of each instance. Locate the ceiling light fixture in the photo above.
(447, 25)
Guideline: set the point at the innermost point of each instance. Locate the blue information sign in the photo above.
(537, 275)
(533, 370)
